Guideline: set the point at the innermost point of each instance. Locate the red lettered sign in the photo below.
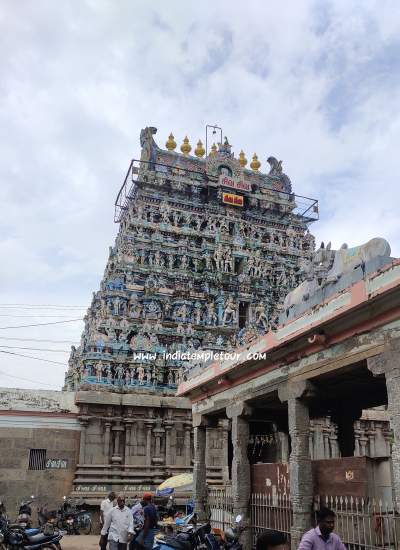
(235, 200)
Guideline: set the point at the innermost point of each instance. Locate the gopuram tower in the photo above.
(205, 254)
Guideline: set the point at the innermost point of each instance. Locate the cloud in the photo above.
(315, 84)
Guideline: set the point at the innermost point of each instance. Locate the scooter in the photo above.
(24, 519)
(232, 535)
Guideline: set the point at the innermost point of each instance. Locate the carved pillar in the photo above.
(128, 431)
(158, 433)
(241, 484)
(149, 425)
(188, 445)
(301, 482)
(311, 439)
(333, 441)
(325, 432)
(168, 424)
(107, 429)
(84, 421)
(223, 433)
(283, 455)
(116, 458)
(199, 466)
(388, 363)
(357, 435)
(134, 436)
(371, 433)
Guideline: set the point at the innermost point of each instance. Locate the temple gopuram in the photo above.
(206, 252)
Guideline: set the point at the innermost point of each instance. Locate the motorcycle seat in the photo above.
(39, 538)
(178, 544)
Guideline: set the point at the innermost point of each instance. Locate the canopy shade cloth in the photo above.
(183, 482)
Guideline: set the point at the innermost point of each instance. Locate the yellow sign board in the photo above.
(235, 200)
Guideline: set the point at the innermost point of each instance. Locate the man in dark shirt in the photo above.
(147, 534)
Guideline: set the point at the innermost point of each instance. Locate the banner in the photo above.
(235, 200)
(239, 184)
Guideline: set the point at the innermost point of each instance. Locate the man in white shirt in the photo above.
(106, 505)
(118, 523)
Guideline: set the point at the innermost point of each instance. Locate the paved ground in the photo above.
(80, 542)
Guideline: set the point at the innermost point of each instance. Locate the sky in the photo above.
(315, 84)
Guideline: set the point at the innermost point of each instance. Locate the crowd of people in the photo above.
(124, 528)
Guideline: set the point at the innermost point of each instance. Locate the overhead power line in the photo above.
(39, 340)
(43, 305)
(42, 324)
(32, 357)
(28, 380)
(34, 316)
(37, 349)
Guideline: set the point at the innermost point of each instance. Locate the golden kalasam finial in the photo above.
(242, 159)
(171, 143)
(186, 147)
(199, 151)
(213, 150)
(255, 163)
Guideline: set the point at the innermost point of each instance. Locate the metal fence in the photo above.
(364, 523)
(270, 512)
(361, 523)
(220, 505)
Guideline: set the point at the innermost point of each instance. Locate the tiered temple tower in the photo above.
(205, 254)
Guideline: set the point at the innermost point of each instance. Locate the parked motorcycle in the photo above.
(191, 538)
(24, 519)
(16, 538)
(74, 519)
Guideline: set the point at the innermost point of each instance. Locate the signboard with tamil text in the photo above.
(235, 200)
(106, 488)
(234, 183)
(56, 463)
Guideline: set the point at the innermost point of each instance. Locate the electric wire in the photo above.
(42, 324)
(35, 316)
(36, 349)
(32, 357)
(39, 340)
(42, 305)
(28, 380)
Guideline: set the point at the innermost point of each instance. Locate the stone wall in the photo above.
(33, 420)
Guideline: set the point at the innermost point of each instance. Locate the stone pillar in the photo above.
(199, 467)
(300, 472)
(116, 458)
(128, 431)
(168, 424)
(223, 433)
(241, 483)
(371, 433)
(107, 426)
(134, 436)
(283, 454)
(188, 445)
(84, 421)
(149, 426)
(388, 364)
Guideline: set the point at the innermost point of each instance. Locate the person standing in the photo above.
(118, 523)
(138, 522)
(322, 537)
(106, 505)
(147, 534)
